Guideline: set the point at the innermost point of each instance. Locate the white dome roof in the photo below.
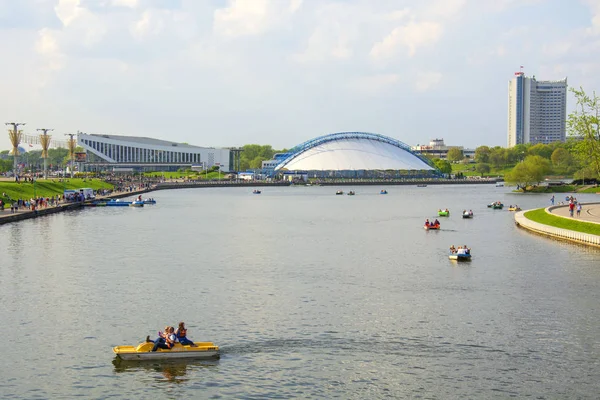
(355, 154)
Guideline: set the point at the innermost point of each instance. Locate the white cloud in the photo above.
(125, 3)
(376, 84)
(252, 17)
(412, 36)
(427, 80)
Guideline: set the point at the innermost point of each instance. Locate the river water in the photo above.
(308, 294)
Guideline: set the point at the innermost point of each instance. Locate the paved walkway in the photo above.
(589, 212)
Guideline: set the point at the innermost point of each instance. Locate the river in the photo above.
(308, 294)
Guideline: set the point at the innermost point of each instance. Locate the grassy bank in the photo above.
(45, 188)
(542, 217)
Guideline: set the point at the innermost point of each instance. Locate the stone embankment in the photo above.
(591, 214)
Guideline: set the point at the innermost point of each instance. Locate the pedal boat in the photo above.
(459, 257)
(514, 208)
(137, 203)
(443, 213)
(143, 352)
(431, 227)
(467, 215)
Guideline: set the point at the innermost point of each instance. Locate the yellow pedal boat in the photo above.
(144, 352)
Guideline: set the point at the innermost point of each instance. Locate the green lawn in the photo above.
(46, 188)
(541, 216)
(469, 170)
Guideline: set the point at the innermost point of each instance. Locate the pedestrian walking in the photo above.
(571, 208)
(578, 209)
(552, 200)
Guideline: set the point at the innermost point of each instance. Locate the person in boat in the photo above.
(181, 334)
(467, 250)
(427, 222)
(167, 341)
(436, 222)
(452, 249)
(460, 250)
(470, 212)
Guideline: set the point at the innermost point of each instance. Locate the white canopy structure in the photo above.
(353, 151)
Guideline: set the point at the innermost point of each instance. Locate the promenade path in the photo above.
(589, 212)
(7, 216)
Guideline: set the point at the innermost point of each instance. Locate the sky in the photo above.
(232, 72)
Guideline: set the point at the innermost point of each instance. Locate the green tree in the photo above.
(561, 158)
(455, 154)
(529, 172)
(540, 149)
(443, 165)
(498, 156)
(482, 154)
(483, 168)
(584, 123)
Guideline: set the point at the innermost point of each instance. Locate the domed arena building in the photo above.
(354, 155)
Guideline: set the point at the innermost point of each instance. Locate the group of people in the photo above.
(470, 212)
(460, 250)
(167, 339)
(435, 224)
(574, 205)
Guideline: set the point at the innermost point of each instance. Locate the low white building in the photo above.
(146, 154)
(438, 148)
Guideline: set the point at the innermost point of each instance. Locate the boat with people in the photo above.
(339, 192)
(496, 205)
(514, 208)
(256, 191)
(351, 193)
(467, 214)
(460, 253)
(117, 203)
(143, 352)
(422, 185)
(383, 191)
(137, 203)
(149, 201)
(433, 225)
(499, 184)
(443, 213)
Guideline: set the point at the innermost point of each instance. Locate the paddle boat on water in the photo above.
(256, 191)
(514, 208)
(143, 352)
(383, 191)
(137, 203)
(149, 201)
(351, 193)
(467, 214)
(460, 253)
(117, 203)
(433, 225)
(339, 192)
(496, 205)
(443, 213)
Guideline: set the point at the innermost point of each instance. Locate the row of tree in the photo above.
(33, 159)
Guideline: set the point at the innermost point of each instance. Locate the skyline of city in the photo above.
(231, 72)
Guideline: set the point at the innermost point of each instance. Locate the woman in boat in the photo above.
(427, 222)
(168, 341)
(181, 334)
(452, 249)
(436, 222)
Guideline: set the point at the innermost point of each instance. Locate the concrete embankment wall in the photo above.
(558, 233)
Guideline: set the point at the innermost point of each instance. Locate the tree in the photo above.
(498, 156)
(584, 123)
(540, 149)
(561, 158)
(443, 165)
(483, 168)
(482, 154)
(455, 154)
(530, 171)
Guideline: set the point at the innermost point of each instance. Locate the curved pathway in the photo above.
(590, 212)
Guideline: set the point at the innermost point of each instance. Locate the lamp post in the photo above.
(15, 138)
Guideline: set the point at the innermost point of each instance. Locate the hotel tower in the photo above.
(537, 110)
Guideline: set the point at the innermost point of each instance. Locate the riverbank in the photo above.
(555, 222)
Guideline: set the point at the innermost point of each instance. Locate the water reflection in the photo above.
(171, 371)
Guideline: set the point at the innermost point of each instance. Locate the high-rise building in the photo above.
(537, 110)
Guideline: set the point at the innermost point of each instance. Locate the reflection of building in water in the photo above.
(437, 148)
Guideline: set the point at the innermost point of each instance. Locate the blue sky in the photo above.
(279, 72)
